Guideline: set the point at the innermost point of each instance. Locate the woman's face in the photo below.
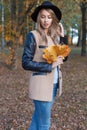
(45, 19)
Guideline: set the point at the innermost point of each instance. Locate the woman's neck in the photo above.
(46, 31)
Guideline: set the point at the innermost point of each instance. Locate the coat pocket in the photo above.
(38, 73)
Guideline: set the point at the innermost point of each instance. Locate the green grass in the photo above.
(76, 50)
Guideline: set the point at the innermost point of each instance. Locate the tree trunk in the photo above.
(72, 37)
(83, 10)
(14, 48)
(79, 43)
(3, 41)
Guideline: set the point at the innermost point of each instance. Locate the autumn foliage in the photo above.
(52, 52)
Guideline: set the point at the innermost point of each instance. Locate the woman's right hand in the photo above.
(60, 30)
(58, 62)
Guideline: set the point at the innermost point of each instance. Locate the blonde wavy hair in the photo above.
(52, 31)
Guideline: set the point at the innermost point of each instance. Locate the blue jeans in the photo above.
(42, 113)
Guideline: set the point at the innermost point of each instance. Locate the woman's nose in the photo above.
(46, 19)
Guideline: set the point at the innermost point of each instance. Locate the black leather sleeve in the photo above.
(63, 41)
(28, 54)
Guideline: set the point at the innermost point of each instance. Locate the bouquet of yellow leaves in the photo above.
(51, 53)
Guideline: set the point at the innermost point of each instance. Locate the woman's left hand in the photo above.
(58, 62)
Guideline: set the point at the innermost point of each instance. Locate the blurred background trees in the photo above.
(15, 23)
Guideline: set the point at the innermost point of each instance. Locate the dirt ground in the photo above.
(69, 112)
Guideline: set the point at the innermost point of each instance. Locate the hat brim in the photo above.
(55, 9)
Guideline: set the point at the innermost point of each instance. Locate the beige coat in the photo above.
(41, 86)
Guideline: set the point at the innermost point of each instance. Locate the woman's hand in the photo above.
(60, 30)
(58, 62)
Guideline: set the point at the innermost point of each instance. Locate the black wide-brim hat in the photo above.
(46, 5)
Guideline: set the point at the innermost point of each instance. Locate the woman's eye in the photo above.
(49, 17)
(42, 16)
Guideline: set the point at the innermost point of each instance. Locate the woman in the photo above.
(44, 77)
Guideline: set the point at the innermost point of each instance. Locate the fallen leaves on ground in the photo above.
(69, 112)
